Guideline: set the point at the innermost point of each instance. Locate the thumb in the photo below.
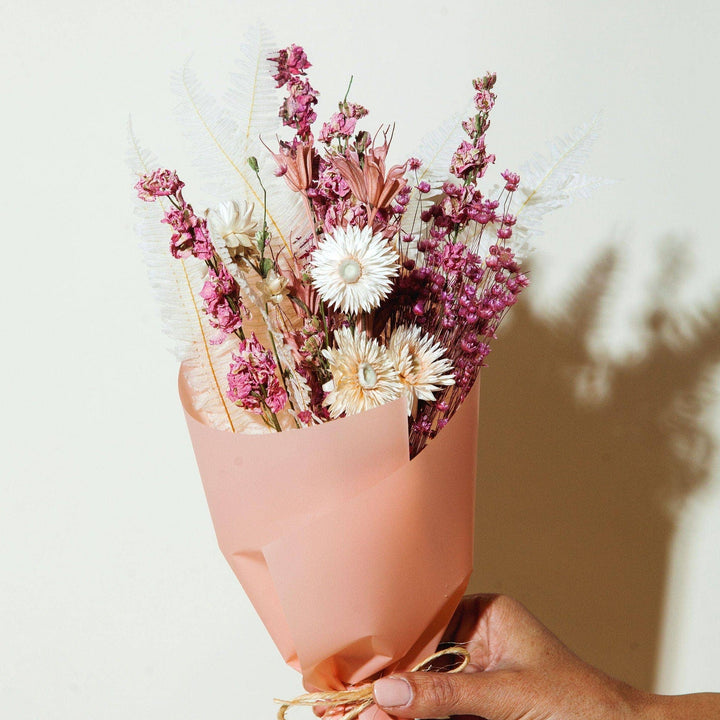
(436, 695)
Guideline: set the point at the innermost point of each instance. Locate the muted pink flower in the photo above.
(222, 302)
(471, 159)
(339, 126)
(512, 180)
(369, 180)
(295, 161)
(291, 62)
(159, 183)
(253, 383)
(191, 236)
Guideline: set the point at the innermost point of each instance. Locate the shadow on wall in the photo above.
(573, 506)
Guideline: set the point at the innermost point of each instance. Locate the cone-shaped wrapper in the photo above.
(354, 556)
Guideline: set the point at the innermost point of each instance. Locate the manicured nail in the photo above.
(392, 692)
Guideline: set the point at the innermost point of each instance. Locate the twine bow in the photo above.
(359, 699)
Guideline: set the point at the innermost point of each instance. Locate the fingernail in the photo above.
(392, 692)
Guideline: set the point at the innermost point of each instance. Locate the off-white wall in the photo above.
(599, 496)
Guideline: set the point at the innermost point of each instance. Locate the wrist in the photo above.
(700, 706)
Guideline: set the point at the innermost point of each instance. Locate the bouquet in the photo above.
(331, 316)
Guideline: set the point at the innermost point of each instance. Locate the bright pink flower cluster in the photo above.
(159, 183)
(222, 303)
(297, 109)
(252, 381)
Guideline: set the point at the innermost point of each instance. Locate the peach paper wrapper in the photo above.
(354, 556)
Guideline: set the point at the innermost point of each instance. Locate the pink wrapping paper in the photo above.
(354, 556)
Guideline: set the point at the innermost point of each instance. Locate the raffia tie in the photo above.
(359, 699)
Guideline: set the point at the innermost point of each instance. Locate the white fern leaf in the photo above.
(224, 137)
(435, 151)
(214, 137)
(176, 284)
(550, 182)
(252, 98)
(437, 148)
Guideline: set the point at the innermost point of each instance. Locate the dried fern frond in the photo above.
(224, 136)
(553, 181)
(176, 284)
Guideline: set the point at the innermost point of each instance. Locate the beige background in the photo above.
(599, 490)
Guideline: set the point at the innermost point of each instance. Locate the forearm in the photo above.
(700, 706)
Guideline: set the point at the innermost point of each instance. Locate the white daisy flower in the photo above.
(352, 269)
(420, 362)
(232, 221)
(363, 376)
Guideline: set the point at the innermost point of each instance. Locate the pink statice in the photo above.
(222, 302)
(159, 183)
(253, 383)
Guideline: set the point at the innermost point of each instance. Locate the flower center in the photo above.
(350, 270)
(367, 376)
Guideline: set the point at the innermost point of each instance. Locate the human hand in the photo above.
(518, 671)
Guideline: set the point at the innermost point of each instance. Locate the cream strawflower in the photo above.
(352, 269)
(273, 288)
(420, 362)
(233, 222)
(363, 375)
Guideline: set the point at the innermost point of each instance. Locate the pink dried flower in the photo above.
(222, 302)
(512, 180)
(369, 181)
(339, 126)
(252, 381)
(297, 109)
(295, 162)
(191, 236)
(159, 183)
(291, 62)
(471, 159)
(353, 110)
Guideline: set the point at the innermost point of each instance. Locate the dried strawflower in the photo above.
(422, 365)
(363, 375)
(233, 222)
(352, 269)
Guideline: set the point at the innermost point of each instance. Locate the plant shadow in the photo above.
(575, 496)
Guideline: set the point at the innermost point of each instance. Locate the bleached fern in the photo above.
(176, 284)
(553, 181)
(437, 147)
(435, 150)
(223, 137)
